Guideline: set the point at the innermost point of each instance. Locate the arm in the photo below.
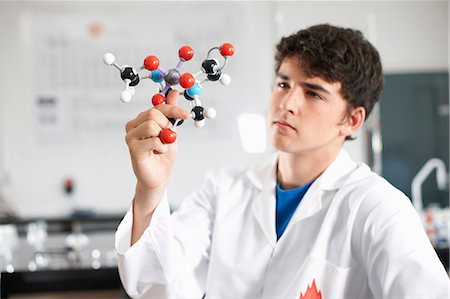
(143, 207)
(397, 256)
(172, 256)
(152, 259)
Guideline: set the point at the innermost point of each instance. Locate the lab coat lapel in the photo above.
(331, 179)
(263, 177)
(336, 175)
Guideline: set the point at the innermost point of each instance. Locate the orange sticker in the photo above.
(311, 292)
(96, 29)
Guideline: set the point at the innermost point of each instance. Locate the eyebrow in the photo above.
(283, 76)
(307, 84)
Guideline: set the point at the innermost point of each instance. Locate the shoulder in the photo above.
(368, 191)
(382, 212)
(382, 216)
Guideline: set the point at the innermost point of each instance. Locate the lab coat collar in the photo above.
(264, 173)
(332, 178)
(336, 175)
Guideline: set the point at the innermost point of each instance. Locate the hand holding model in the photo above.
(151, 158)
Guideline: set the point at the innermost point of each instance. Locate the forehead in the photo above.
(291, 69)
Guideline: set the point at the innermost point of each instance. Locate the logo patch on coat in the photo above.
(311, 292)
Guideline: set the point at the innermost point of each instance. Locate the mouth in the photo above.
(282, 125)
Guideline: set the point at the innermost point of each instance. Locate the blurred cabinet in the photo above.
(414, 112)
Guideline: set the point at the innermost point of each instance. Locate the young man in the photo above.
(307, 223)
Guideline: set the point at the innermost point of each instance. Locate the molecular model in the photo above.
(211, 70)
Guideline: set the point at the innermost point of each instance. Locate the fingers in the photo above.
(145, 138)
(145, 130)
(144, 146)
(152, 114)
(172, 97)
(160, 113)
(171, 111)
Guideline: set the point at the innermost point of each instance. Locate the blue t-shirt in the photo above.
(287, 202)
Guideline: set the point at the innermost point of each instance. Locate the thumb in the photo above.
(172, 98)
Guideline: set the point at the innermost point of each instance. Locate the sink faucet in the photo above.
(424, 172)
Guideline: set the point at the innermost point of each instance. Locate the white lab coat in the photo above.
(353, 235)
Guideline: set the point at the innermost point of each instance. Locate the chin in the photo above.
(282, 143)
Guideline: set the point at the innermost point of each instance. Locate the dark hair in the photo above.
(337, 54)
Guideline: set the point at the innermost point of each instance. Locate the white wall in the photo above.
(411, 36)
(35, 159)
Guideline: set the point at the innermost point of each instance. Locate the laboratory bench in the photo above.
(87, 269)
(62, 258)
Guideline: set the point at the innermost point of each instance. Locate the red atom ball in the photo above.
(187, 80)
(151, 63)
(227, 49)
(186, 53)
(158, 99)
(167, 136)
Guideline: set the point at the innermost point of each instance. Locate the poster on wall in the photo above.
(77, 95)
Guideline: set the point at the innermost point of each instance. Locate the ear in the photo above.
(353, 121)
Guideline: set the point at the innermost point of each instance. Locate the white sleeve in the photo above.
(397, 255)
(171, 258)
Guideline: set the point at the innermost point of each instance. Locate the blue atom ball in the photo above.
(194, 90)
(157, 76)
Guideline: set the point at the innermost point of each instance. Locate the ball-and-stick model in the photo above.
(211, 70)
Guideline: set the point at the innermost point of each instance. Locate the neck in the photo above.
(296, 170)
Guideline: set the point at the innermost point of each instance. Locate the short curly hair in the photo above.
(337, 54)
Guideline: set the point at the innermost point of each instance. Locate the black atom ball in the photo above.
(214, 77)
(208, 66)
(167, 92)
(198, 112)
(188, 97)
(172, 120)
(129, 74)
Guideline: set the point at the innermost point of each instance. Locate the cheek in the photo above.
(329, 113)
(321, 120)
(272, 106)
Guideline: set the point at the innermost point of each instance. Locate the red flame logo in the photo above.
(311, 292)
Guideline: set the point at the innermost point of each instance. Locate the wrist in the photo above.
(145, 191)
(146, 200)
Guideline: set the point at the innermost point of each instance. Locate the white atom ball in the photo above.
(225, 79)
(109, 58)
(199, 123)
(210, 113)
(125, 96)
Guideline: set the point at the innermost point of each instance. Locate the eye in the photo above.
(314, 95)
(283, 85)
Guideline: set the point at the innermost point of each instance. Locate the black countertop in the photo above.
(59, 264)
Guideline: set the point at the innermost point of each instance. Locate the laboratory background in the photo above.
(65, 174)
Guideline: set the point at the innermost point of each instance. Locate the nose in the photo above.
(291, 101)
